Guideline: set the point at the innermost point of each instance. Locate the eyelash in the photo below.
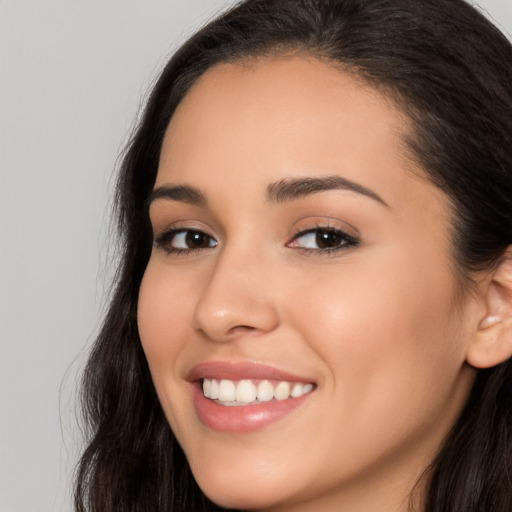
(164, 240)
(347, 241)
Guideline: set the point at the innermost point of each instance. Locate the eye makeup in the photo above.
(319, 239)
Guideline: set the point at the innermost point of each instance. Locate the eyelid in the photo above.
(327, 225)
(182, 225)
(319, 222)
(163, 237)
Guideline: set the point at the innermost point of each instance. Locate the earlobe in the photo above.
(491, 344)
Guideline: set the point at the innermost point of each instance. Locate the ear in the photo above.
(491, 344)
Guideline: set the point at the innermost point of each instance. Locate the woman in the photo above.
(314, 305)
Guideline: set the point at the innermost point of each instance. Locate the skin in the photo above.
(378, 326)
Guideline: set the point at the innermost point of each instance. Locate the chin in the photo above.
(241, 495)
(245, 489)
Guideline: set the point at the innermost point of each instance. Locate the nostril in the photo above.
(241, 328)
(229, 334)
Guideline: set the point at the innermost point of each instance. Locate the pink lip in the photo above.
(239, 371)
(246, 418)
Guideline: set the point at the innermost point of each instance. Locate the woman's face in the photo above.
(302, 267)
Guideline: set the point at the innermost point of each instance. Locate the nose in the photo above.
(237, 299)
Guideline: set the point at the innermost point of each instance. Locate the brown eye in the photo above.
(328, 239)
(185, 240)
(197, 240)
(323, 240)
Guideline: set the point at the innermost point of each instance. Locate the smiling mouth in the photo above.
(243, 397)
(252, 392)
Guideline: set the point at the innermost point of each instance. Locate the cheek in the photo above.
(386, 333)
(154, 313)
(164, 316)
(162, 308)
(161, 319)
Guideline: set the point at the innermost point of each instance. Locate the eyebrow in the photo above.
(295, 188)
(183, 193)
(287, 189)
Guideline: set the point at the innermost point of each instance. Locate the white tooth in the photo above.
(207, 388)
(265, 391)
(214, 389)
(226, 391)
(245, 392)
(297, 390)
(282, 391)
(308, 388)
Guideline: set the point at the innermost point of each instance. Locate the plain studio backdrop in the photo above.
(73, 73)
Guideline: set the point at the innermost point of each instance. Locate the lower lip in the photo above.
(243, 418)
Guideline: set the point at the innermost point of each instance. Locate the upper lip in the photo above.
(240, 371)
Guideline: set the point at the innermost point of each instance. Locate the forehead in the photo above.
(273, 118)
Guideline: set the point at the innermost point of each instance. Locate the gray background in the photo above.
(72, 77)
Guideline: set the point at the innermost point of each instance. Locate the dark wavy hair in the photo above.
(450, 71)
